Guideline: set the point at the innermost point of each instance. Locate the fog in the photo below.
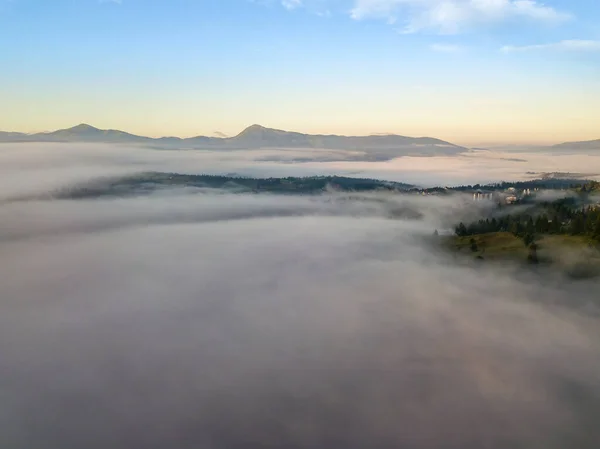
(51, 165)
(210, 320)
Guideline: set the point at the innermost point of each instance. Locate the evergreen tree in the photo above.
(530, 227)
(528, 239)
(589, 223)
(545, 224)
(556, 225)
(596, 232)
(532, 256)
(474, 247)
(516, 228)
(577, 225)
(538, 224)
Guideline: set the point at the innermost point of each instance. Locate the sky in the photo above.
(468, 71)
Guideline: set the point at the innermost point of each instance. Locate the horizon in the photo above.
(473, 73)
(220, 135)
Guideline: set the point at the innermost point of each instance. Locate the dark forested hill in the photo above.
(150, 182)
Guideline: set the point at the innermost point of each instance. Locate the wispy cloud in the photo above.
(447, 48)
(291, 4)
(320, 8)
(573, 45)
(325, 13)
(440, 16)
(452, 16)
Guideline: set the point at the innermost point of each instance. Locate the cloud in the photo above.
(446, 48)
(291, 4)
(319, 8)
(233, 321)
(453, 16)
(573, 45)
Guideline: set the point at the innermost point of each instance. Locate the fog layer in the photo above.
(34, 167)
(240, 321)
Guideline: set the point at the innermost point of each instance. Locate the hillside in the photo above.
(563, 232)
(574, 255)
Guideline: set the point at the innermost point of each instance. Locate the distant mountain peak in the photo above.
(83, 127)
(254, 129)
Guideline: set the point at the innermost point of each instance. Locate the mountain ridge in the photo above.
(83, 129)
(580, 145)
(373, 148)
(254, 136)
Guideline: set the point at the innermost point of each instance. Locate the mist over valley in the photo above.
(172, 308)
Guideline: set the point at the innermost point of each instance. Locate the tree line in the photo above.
(559, 217)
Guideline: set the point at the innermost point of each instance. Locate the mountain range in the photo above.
(255, 136)
(379, 146)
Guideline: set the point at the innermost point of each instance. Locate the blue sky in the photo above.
(470, 71)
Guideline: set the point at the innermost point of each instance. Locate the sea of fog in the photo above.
(211, 320)
(27, 166)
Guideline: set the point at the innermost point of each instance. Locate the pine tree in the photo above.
(589, 223)
(596, 233)
(545, 224)
(556, 225)
(539, 225)
(532, 256)
(528, 239)
(516, 228)
(577, 225)
(474, 247)
(530, 228)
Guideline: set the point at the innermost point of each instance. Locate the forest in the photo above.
(578, 215)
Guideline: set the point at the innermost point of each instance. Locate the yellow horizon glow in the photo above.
(464, 116)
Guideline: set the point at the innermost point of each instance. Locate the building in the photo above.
(481, 195)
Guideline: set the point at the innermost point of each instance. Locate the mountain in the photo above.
(259, 136)
(79, 133)
(12, 137)
(87, 133)
(380, 147)
(585, 145)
